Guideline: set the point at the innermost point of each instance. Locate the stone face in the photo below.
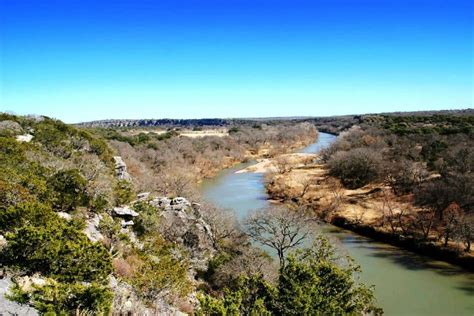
(10, 127)
(143, 196)
(8, 307)
(183, 223)
(124, 211)
(92, 228)
(24, 138)
(121, 169)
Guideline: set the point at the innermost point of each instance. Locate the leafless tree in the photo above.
(249, 261)
(424, 221)
(396, 218)
(280, 229)
(466, 232)
(306, 184)
(450, 225)
(222, 222)
(282, 164)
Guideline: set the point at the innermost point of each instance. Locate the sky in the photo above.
(81, 60)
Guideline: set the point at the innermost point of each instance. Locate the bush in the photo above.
(57, 298)
(159, 270)
(310, 283)
(148, 221)
(40, 241)
(356, 167)
(123, 192)
(69, 190)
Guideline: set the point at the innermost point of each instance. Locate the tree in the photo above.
(466, 232)
(222, 222)
(311, 283)
(280, 229)
(40, 241)
(356, 167)
(69, 190)
(424, 221)
(453, 215)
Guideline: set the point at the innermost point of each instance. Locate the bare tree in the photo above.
(306, 184)
(424, 221)
(453, 215)
(466, 232)
(222, 222)
(282, 164)
(396, 218)
(280, 229)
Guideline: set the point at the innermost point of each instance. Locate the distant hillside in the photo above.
(332, 124)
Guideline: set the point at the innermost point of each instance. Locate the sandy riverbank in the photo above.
(373, 210)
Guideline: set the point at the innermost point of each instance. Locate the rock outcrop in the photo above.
(92, 228)
(121, 169)
(126, 302)
(10, 128)
(3, 242)
(24, 138)
(182, 223)
(8, 307)
(125, 211)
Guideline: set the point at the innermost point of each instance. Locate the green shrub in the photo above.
(40, 241)
(57, 298)
(160, 269)
(123, 192)
(310, 283)
(149, 220)
(69, 190)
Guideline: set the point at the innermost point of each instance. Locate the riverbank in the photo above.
(370, 211)
(425, 286)
(264, 157)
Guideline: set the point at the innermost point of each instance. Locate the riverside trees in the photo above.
(427, 160)
(312, 280)
(280, 229)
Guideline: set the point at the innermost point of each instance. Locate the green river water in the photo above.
(405, 283)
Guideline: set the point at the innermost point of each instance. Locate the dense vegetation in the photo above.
(49, 188)
(427, 159)
(173, 165)
(56, 180)
(53, 187)
(311, 282)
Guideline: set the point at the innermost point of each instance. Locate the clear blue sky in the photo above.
(81, 60)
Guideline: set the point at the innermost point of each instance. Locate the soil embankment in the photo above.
(372, 211)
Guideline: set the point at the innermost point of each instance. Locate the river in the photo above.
(405, 283)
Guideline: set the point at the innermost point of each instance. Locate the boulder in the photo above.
(65, 215)
(8, 307)
(121, 169)
(24, 138)
(125, 223)
(183, 224)
(161, 202)
(10, 128)
(27, 283)
(180, 201)
(125, 211)
(143, 196)
(92, 228)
